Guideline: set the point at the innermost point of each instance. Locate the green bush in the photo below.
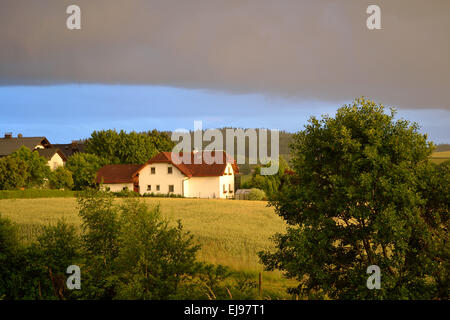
(125, 194)
(61, 178)
(256, 194)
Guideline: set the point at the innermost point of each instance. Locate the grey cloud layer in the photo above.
(315, 49)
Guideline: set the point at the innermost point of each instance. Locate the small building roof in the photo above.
(117, 173)
(70, 148)
(50, 152)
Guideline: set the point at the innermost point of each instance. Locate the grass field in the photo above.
(231, 232)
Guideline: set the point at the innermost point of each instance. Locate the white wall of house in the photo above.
(55, 162)
(227, 183)
(162, 178)
(117, 187)
(204, 187)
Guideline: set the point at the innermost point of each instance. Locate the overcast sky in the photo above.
(256, 63)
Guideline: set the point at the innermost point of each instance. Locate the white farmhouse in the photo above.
(161, 175)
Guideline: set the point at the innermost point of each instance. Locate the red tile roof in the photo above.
(117, 173)
(193, 169)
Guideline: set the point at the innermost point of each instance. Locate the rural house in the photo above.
(160, 175)
(54, 156)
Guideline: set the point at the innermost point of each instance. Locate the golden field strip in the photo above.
(439, 157)
(231, 232)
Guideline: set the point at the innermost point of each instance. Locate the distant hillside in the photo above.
(284, 142)
(442, 147)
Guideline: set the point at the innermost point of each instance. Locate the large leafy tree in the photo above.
(122, 147)
(38, 169)
(84, 167)
(364, 193)
(13, 173)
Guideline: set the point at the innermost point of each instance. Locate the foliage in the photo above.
(256, 194)
(122, 148)
(61, 178)
(57, 248)
(9, 262)
(84, 167)
(37, 167)
(268, 183)
(101, 229)
(133, 252)
(13, 173)
(363, 193)
(154, 258)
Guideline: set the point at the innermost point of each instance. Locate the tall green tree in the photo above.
(38, 169)
(358, 198)
(14, 173)
(155, 259)
(122, 147)
(84, 167)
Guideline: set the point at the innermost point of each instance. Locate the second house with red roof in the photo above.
(194, 177)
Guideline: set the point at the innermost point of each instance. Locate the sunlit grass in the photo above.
(439, 157)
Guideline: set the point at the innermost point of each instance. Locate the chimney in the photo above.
(8, 135)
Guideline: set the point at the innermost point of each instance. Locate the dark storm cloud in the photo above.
(301, 49)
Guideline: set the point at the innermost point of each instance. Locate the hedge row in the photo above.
(36, 193)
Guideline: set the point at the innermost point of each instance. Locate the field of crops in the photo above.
(231, 232)
(439, 157)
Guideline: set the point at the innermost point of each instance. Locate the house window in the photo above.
(169, 170)
(171, 188)
(229, 171)
(229, 189)
(149, 188)
(157, 187)
(152, 170)
(224, 189)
